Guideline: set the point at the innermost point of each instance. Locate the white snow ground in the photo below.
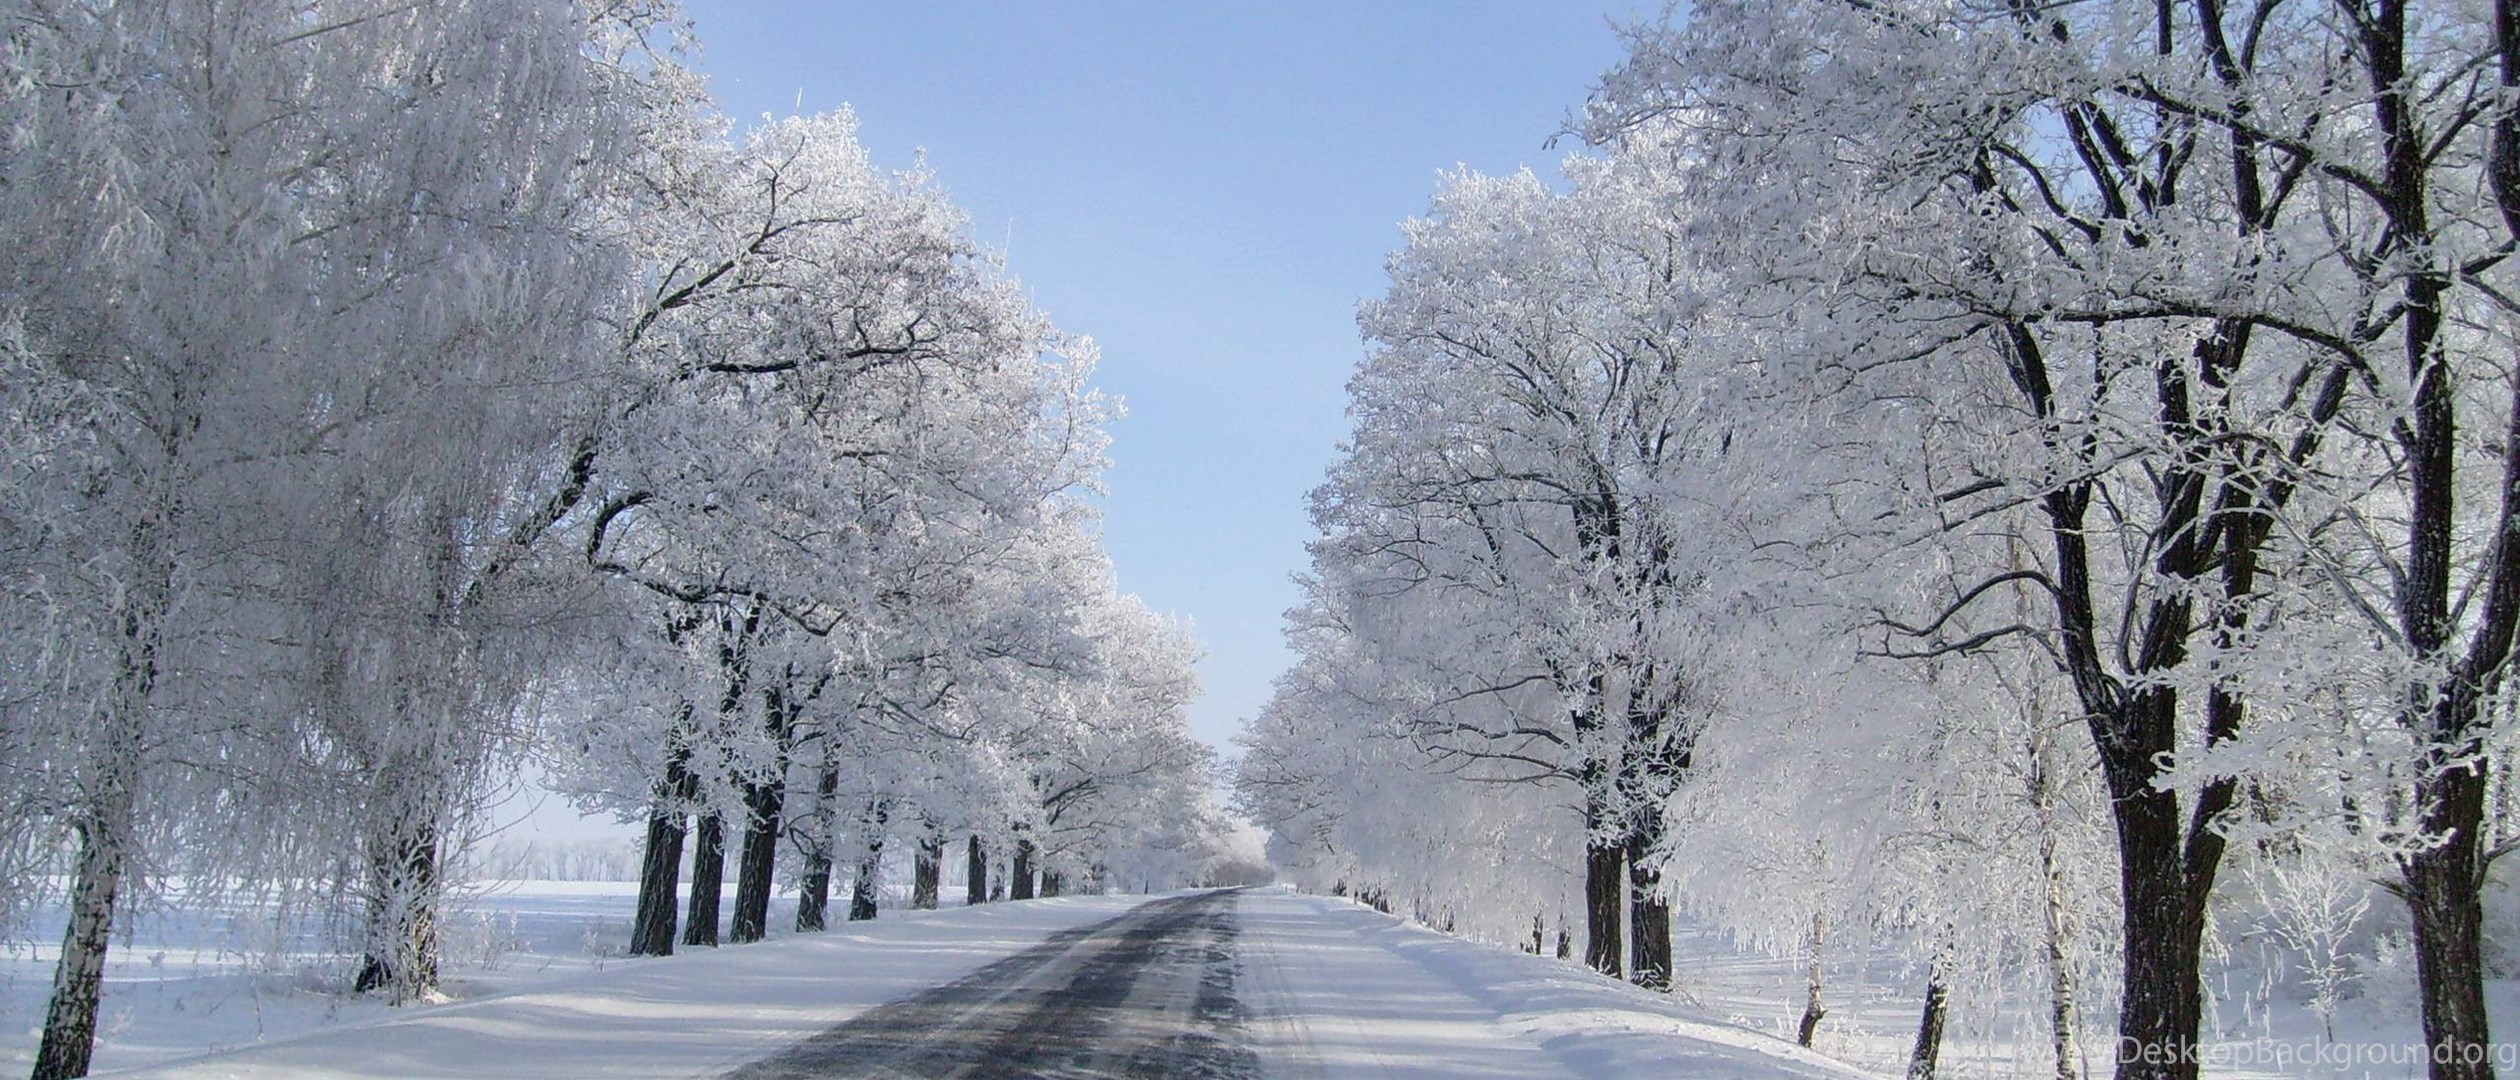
(180, 982)
(1341, 992)
(1335, 992)
(695, 1014)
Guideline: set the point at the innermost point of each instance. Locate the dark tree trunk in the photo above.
(1051, 883)
(753, 875)
(813, 896)
(2166, 868)
(2206, 513)
(2165, 929)
(402, 956)
(813, 887)
(1605, 853)
(870, 866)
(708, 858)
(1604, 901)
(1648, 913)
(2440, 883)
(764, 803)
(926, 868)
(69, 1038)
(708, 876)
(106, 830)
(660, 880)
(1651, 767)
(2442, 886)
(660, 862)
(862, 889)
(1929, 1031)
(975, 872)
(1019, 878)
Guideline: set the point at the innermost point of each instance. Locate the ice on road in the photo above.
(1238, 985)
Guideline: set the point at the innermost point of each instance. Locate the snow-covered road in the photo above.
(1232, 986)
(1149, 993)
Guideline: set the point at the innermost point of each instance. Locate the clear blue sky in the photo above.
(1208, 189)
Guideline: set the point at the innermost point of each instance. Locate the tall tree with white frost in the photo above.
(2027, 245)
(2142, 356)
(1516, 533)
(341, 339)
(278, 152)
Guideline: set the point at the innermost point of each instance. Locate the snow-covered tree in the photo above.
(2012, 231)
(2063, 388)
(393, 390)
(300, 322)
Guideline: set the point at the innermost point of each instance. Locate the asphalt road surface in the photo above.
(1149, 993)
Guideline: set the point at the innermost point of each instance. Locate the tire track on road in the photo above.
(1149, 993)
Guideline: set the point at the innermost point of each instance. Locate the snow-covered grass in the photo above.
(186, 982)
(1362, 994)
(1332, 989)
(549, 1007)
(2259, 1023)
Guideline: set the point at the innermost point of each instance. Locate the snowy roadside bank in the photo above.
(1734, 1010)
(1356, 993)
(1329, 990)
(687, 1015)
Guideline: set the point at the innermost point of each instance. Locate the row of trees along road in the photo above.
(2013, 482)
(396, 396)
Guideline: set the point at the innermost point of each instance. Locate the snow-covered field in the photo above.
(1329, 989)
(695, 1014)
(1372, 996)
(1734, 1012)
(2257, 1027)
(187, 982)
